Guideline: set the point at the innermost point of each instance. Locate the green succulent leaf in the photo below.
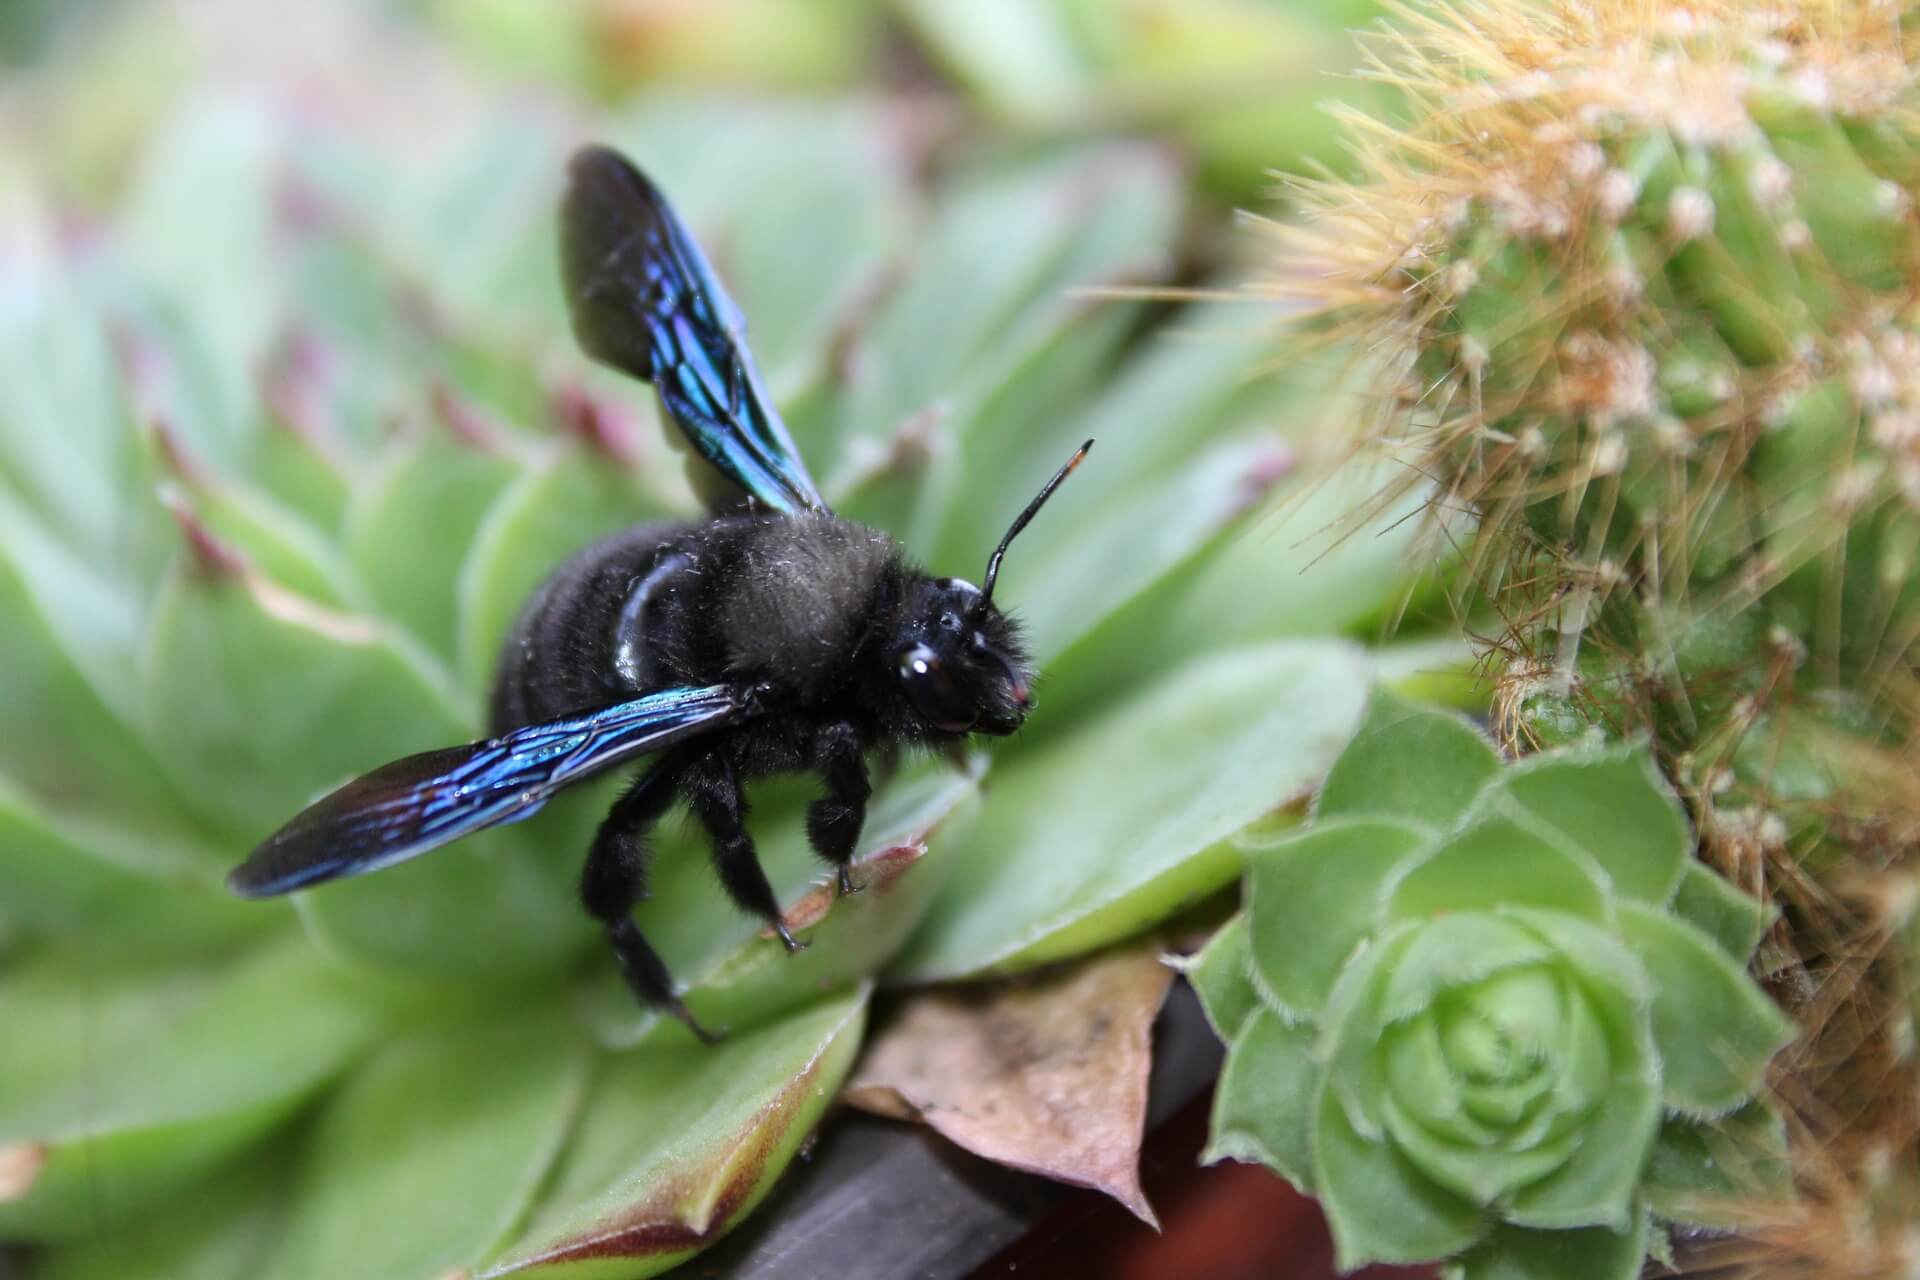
(1176, 394)
(482, 212)
(1410, 763)
(1591, 1253)
(1380, 1207)
(222, 642)
(1313, 897)
(1263, 1104)
(202, 207)
(1453, 952)
(990, 279)
(565, 501)
(1714, 1027)
(1103, 830)
(1614, 976)
(674, 1145)
(1021, 58)
(408, 529)
(1123, 543)
(1716, 907)
(221, 648)
(274, 542)
(1352, 583)
(1218, 973)
(225, 1230)
(1616, 808)
(1437, 669)
(1478, 1173)
(86, 613)
(66, 743)
(1496, 861)
(67, 458)
(1005, 437)
(1595, 1185)
(1352, 1027)
(1708, 1171)
(499, 904)
(459, 1121)
(52, 884)
(137, 1081)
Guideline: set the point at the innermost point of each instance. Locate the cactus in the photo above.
(1643, 276)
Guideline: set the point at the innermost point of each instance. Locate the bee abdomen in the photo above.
(576, 643)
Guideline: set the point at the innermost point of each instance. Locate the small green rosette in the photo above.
(1495, 1015)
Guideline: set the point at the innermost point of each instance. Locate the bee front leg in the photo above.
(713, 791)
(835, 819)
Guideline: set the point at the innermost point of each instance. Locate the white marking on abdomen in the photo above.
(629, 635)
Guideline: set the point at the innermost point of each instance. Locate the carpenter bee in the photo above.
(773, 637)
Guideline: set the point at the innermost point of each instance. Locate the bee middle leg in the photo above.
(712, 787)
(615, 879)
(835, 819)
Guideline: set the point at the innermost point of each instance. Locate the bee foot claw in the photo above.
(707, 1037)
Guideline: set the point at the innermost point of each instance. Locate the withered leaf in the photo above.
(1045, 1073)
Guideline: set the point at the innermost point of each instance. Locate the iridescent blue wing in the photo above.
(646, 301)
(425, 801)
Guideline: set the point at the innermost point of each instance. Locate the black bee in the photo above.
(772, 638)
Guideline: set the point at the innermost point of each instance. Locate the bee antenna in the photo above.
(1020, 521)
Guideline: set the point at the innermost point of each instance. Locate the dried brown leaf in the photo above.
(1046, 1073)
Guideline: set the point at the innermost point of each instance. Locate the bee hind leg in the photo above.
(615, 879)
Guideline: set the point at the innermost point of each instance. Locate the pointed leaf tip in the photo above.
(1724, 912)
(1715, 1028)
(1263, 1104)
(20, 1165)
(212, 556)
(674, 1145)
(1616, 808)
(1408, 762)
(1218, 974)
(1314, 897)
(878, 874)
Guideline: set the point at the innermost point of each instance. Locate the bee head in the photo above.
(961, 662)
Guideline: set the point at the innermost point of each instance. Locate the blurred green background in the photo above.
(1240, 86)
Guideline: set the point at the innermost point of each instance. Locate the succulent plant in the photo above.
(1644, 275)
(289, 427)
(1493, 1014)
